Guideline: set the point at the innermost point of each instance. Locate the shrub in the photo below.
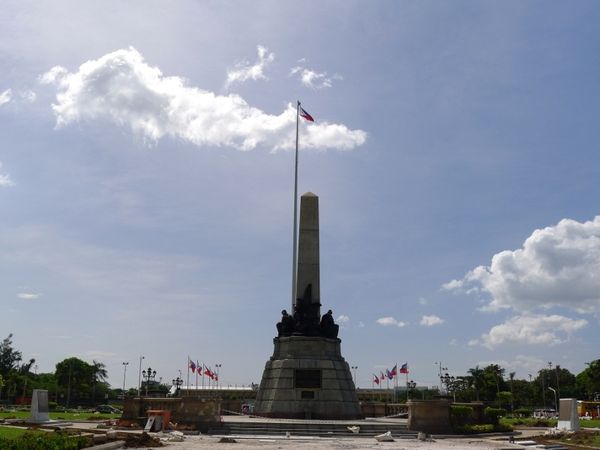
(46, 441)
(494, 414)
(523, 412)
(483, 428)
(460, 415)
(52, 406)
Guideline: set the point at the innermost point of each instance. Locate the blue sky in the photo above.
(146, 181)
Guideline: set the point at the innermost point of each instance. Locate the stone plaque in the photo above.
(307, 379)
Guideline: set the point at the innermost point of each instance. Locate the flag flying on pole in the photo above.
(192, 366)
(305, 115)
(199, 368)
(391, 373)
(404, 368)
(395, 370)
(382, 377)
(375, 379)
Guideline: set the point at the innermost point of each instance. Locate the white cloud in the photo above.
(313, 79)
(557, 266)
(122, 88)
(5, 180)
(343, 319)
(244, 71)
(5, 97)
(361, 325)
(422, 301)
(429, 321)
(28, 296)
(28, 95)
(532, 330)
(390, 321)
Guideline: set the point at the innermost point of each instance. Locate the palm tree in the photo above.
(477, 377)
(98, 375)
(511, 375)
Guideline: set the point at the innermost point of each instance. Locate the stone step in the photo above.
(310, 429)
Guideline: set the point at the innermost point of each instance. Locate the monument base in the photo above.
(307, 378)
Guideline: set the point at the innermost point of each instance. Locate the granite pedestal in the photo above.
(307, 378)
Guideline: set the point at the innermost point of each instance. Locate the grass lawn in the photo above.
(590, 423)
(13, 433)
(60, 415)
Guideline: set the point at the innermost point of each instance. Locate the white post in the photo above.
(125, 364)
(140, 378)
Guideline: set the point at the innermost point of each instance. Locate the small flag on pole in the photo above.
(306, 115)
(375, 379)
(404, 368)
(199, 367)
(192, 366)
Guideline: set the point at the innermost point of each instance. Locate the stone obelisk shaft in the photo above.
(308, 249)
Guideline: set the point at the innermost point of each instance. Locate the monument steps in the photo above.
(326, 428)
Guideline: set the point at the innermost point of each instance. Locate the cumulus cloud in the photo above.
(5, 96)
(28, 296)
(557, 266)
(390, 321)
(429, 321)
(5, 180)
(532, 330)
(244, 71)
(122, 88)
(313, 79)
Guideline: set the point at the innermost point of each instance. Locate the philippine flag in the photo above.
(306, 115)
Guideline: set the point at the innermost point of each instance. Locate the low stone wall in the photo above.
(429, 416)
(198, 413)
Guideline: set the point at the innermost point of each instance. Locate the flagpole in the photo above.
(188, 373)
(295, 243)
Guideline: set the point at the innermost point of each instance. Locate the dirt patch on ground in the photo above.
(142, 441)
(578, 440)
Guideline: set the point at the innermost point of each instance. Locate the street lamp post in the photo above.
(354, 369)
(555, 399)
(125, 364)
(148, 375)
(409, 386)
(440, 370)
(140, 378)
(217, 369)
(448, 381)
(177, 382)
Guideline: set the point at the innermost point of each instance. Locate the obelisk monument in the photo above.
(307, 377)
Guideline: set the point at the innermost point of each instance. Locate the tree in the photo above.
(98, 374)
(9, 357)
(75, 375)
(588, 381)
(494, 381)
(477, 380)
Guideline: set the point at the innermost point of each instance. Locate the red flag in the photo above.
(192, 366)
(375, 379)
(306, 115)
(404, 368)
(199, 367)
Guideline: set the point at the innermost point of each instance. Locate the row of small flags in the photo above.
(390, 374)
(202, 370)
